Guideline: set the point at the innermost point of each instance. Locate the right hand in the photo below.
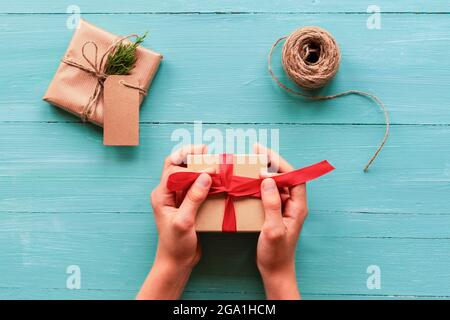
(284, 217)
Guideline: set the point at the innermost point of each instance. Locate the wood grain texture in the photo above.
(217, 6)
(214, 62)
(58, 153)
(77, 202)
(329, 265)
(66, 199)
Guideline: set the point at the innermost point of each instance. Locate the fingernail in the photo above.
(269, 185)
(203, 180)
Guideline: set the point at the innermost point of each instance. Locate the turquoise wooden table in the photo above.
(66, 201)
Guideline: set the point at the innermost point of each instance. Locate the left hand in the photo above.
(178, 246)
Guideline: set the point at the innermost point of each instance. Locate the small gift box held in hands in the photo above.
(233, 204)
(78, 85)
(248, 212)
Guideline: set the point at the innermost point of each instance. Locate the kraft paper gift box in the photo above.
(72, 87)
(249, 211)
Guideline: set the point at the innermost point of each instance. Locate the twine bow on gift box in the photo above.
(233, 187)
(100, 71)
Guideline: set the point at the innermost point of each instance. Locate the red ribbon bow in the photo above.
(236, 186)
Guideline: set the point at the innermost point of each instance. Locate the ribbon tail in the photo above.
(229, 217)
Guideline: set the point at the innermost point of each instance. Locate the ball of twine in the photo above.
(310, 57)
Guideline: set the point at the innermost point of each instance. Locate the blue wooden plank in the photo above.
(326, 265)
(337, 224)
(66, 199)
(129, 294)
(64, 167)
(213, 62)
(146, 6)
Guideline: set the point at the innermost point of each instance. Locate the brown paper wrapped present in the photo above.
(249, 212)
(78, 83)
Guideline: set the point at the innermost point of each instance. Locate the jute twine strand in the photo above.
(97, 69)
(310, 57)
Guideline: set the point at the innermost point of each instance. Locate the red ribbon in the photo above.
(225, 182)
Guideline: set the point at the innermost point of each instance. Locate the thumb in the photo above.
(272, 203)
(195, 196)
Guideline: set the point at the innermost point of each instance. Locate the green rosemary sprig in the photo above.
(123, 59)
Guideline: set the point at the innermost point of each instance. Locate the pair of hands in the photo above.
(178, 246)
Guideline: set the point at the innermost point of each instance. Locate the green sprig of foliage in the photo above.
(123, 59)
